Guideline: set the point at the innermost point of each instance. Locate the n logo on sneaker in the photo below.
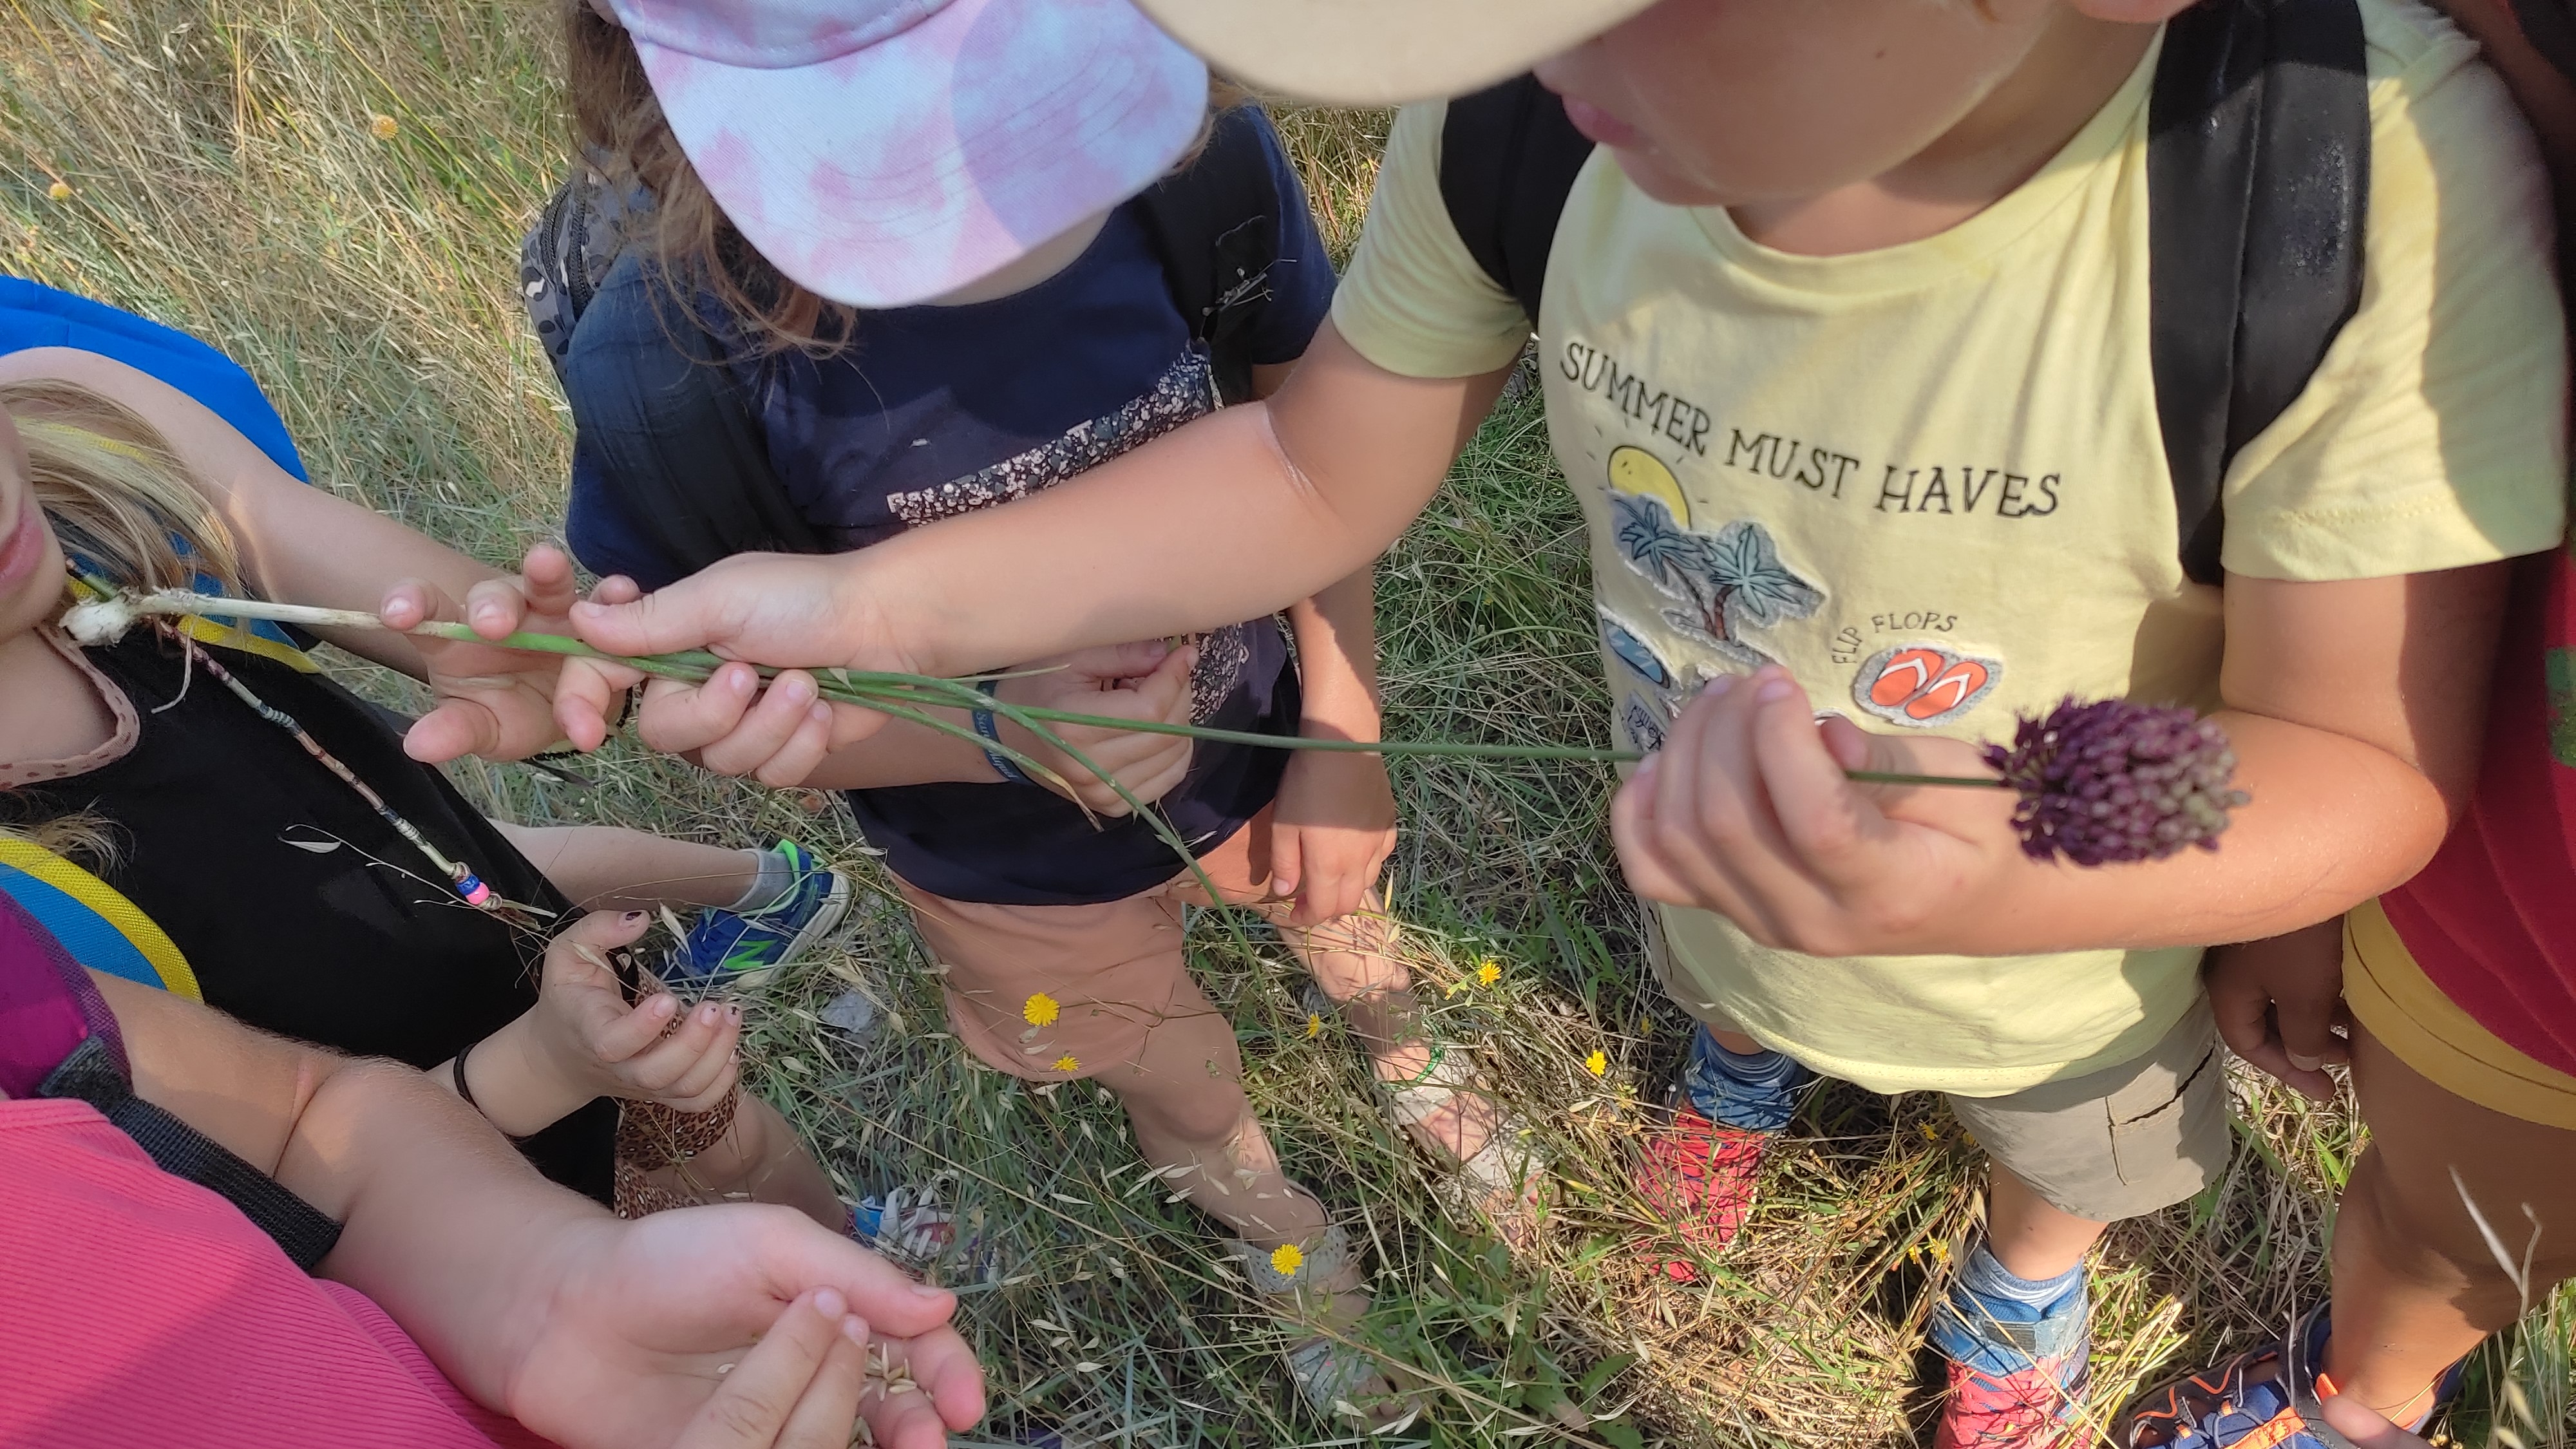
(1923, 685)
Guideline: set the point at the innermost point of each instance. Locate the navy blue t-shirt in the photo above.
(937, 411)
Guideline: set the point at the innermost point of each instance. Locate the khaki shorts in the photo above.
(2117, 1143)
(1054, 993)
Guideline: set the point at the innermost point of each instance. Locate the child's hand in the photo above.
(724, 1328)
(1143, 681)
(1746, 812)
(793, 610)
(2278, 1002)
(498, 703)
(596, 1044)
(1330, 833)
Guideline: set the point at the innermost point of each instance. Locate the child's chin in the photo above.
(1650, 173)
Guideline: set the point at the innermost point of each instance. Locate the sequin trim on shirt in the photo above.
(1186, 390)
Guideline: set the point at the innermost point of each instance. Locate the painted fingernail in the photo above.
(831, 1304)
(631, 917)
(710, 1016)
(733, 1013)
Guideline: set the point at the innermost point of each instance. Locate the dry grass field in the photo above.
(334, 193)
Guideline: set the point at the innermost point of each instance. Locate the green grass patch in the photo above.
(226, 177)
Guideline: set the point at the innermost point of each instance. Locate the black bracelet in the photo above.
(456, 1071)
(984, 725)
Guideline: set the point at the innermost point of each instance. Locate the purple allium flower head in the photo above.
(2112, 781)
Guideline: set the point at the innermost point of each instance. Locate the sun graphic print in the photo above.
(1721, 583)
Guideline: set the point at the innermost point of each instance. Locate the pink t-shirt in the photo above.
(139, 1309)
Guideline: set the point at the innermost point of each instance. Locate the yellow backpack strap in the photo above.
(98, 926)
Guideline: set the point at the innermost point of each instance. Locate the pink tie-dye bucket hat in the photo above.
(882, 152)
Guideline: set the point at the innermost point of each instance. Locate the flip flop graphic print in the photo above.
(1923, 685)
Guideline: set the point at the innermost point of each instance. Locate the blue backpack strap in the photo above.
(2258, 184)
(58, 1039)
(92, 920)
(1214, 225)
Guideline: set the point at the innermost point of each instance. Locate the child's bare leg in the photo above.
(1353, 961)
(603, 867)
(2032, 1237)
(1184, 1095)
(2415, 1285)
(762, 1159)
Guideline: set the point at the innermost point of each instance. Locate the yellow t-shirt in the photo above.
(1929, 481)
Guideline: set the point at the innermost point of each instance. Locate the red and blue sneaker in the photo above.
(2018, 1369)
(2270, 1396)
(1702, 1170)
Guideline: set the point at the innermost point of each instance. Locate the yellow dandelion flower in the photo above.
(1598, 1064)
(1314, 1024)
(1286, 1260)
(1039, 1010)
(60, 191)
(1488, 971)
(1066, 1063)
(1931, 1133)
(383, 127)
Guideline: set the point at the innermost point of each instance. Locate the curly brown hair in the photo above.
(617, 120)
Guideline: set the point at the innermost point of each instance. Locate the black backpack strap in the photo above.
(92, 1074)
(1508, 157)
(1215, 226)
(656, 405)
(2258, 185)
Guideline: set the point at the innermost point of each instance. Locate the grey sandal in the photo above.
(1330, 1375)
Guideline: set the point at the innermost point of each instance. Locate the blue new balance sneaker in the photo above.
(726, 949)
(2270, 1396)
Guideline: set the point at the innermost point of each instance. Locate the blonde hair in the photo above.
(116, 493)
(617, 118)
(85, 840)
(121, 499)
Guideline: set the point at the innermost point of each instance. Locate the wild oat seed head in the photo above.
(2112, 781)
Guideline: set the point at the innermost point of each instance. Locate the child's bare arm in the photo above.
(1335, 821)
(2354, 707)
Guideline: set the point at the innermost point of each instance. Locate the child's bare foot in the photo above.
(1431, 1092)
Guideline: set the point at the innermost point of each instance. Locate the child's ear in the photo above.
(2132, 12)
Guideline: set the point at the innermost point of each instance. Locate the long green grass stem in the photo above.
(907, 696)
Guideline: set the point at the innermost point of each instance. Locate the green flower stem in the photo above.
(1885, 777)
(907, 696)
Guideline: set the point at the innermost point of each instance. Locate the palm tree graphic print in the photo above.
(1723, 582)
